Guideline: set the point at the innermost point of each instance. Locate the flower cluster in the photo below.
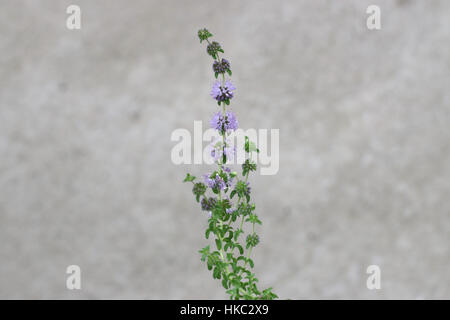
(204, 34)
(215, 181)
(252, 240)
(222, 66)
(198, 189)
(248, 166)
(228, 260)
(243, 189)
(224, 123)
(208, 203)
(222, 150)
(223, 92)
(213, 49)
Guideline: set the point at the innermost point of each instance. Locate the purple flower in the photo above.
(226, 169)
(222, 92)
(217, 152)
(224, 123)
(208, 203)
(230, 210)
(221, 66)
(229, 151)
(215, 183)
(217, 149)
(213, 49)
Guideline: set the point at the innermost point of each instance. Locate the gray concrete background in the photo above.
(85, 124)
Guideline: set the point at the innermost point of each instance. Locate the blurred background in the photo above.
(86, 117)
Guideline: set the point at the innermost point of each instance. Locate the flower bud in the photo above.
(213, 48)
(221, 66)
(203, 34)
(252, 240)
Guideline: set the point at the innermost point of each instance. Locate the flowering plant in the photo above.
(229, 205)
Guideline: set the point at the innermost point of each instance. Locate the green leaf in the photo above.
(218, 244)
(204, 252)
(216, 74)
(208, 231)
(250, 146)
(229, 72)
(236, 283)
(189, 178)
(253, 218)
(225, 283)
(216, 273)
(210, 263)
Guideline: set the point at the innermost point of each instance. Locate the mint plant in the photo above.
(226, 196)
